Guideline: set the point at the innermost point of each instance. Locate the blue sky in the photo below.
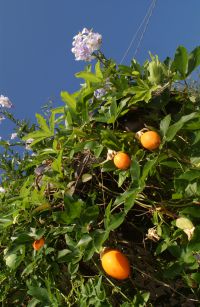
(36, 62)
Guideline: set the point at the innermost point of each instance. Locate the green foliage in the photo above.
(71, 193)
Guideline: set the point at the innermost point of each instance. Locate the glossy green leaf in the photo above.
(164, 124)
(194, 60)
(173, 129)
(88, 76)
(181, 61)
(69, 100)
(184, 223)
(41, 294)
(42, 123)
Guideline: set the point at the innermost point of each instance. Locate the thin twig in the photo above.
(163, 284)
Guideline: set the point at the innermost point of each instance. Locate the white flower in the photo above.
(5, 102)
(2, 190)
(28, 143)
(13, 136)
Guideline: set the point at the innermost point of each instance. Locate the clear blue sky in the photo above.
(36, 62)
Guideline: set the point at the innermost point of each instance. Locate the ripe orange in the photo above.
(115, 264)
(122, 160)
(37, 244)
(150, 140)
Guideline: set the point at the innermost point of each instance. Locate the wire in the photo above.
(145, 28)
(144, 22)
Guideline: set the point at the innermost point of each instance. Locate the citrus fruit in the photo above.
(150, 140)
(37, 244)
(115, 264)
(122, 160)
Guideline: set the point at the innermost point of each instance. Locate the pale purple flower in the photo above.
(28, 143)
(13, 136)
(5, 102)
(85, 43)
(99, 93)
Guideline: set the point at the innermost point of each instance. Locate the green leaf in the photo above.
(142, 91)
(42, 123)
(57, 164)
(128, 198)
(99, 237)
(184, 223)
(33, 302)
(157, 71)
(122, 177)
(194, 60)
(98, 70)
(52, 122)
(88, 76)
(164, 124)
(173, 129)
(89, 214)
(38, 134)
(110, 140)
(62, 253)
(73, 208)
(28, 269)
(161, 247)
(194, 244)
(69, 100)
(83, 242)
(181, 61)
(135, 170)
(140, 299)
(72, 211)
(40, 294)
(114, 221)
(190, 175)
(13, 259)
(86, 177)
(196, 277)
(193, 211)
(148, 167)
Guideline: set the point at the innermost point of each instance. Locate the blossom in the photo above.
(5, 102)
(28, 143)
(99, 93)
(85, 43)
(13, 136)
(2, 190)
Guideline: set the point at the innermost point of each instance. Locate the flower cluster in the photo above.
(5, 102)
(85, 43)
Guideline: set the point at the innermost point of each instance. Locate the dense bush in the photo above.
(68, 191)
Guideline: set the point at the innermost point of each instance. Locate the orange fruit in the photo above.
(115, 264)
(150, 140)
(122, 160)
(37, 244)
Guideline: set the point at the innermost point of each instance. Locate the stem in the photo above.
(163, 284)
